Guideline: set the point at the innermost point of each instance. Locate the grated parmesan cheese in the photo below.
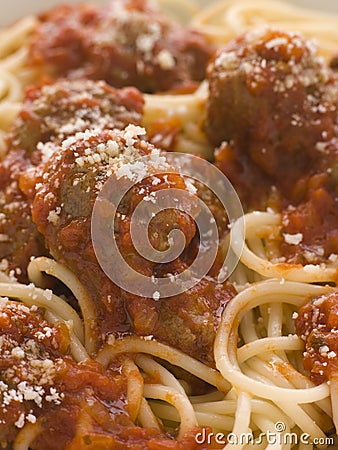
(53, 216)
(165, 60)
(276, 42)
(156, 295)
(21, 421)
(293, 239)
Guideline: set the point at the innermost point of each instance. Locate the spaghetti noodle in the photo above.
(88, 365)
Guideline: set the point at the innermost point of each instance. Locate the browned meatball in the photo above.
(128, 43)
(66, 189)
(63, 108)
(41, 383)
(31, 355)
(49, 114)
(274, 101)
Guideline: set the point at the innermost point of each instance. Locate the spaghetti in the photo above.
(88, 365)
(226, 20)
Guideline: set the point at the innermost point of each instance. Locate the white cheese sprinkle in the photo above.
(156, 295)
(293, 239)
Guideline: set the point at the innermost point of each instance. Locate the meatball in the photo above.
(31, 354)
(60, 109)
(66, 189)
(50, 114)
(40, 383)
(273, 101)
(127, 43)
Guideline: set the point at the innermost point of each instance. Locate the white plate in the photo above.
(15, 9)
